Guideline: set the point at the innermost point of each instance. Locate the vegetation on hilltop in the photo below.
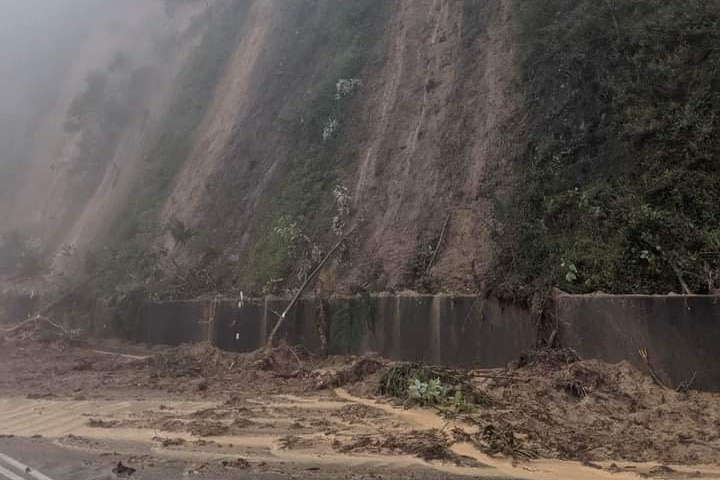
(618, 189)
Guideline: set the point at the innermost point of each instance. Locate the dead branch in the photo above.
(646, 359)
(551, 340)
(673, 266)
(296, 297)
(679, 276)
(294, 354)
(36, 320)
(439, 244)
(685, 385)
(495, 376)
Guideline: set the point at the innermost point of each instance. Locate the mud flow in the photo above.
(548, 416)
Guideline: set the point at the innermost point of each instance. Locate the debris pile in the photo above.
(551, 404)
(39, 329)
(425, 444)
(349, 373)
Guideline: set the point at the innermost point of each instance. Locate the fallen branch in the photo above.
(36, 319)
(686, 384)
(292, 350)
(551, 340)
(296, 297)
(121, 355)
(493, 375)
(439, 244)
(679, 276)
(673, 266)
(646, 359)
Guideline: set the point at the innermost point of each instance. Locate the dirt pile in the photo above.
(190, 361)
(550, 404)
(554, 405)
(363, 371)
(205, 370)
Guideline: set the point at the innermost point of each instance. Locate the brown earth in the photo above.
(429, 141)
(548, 413)
(429, 144)
(437, 116)
(591, 411)
(48, 201)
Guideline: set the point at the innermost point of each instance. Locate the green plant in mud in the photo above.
(434, 392)
(430, 392)
(618, 186)
(433, 386)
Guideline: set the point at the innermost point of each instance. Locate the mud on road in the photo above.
(215, 413)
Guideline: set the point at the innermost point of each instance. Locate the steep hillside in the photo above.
(91, 84)
(301, 123)
(464, 146)
(619, 182)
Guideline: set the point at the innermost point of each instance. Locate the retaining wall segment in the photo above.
(454, 330)
(681, 333)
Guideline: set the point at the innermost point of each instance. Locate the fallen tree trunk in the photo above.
(296, 297)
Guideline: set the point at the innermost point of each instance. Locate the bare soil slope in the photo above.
(428, 138)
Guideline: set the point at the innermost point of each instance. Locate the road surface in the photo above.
(42, 459)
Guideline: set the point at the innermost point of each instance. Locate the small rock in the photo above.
(240, 463)
(122, 470)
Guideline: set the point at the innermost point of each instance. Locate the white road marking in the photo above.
(21, 467)
(5, 473)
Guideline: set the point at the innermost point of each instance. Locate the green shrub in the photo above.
(619, 175)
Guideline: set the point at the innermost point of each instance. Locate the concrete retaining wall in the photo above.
(441, 329)
(681, 333)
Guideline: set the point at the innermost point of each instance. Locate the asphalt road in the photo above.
(41, 459)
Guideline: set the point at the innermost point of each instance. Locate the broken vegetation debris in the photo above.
(415, 383)
(426, 444)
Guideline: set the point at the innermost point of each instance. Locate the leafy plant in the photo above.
(431, 392)
(428, 385)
